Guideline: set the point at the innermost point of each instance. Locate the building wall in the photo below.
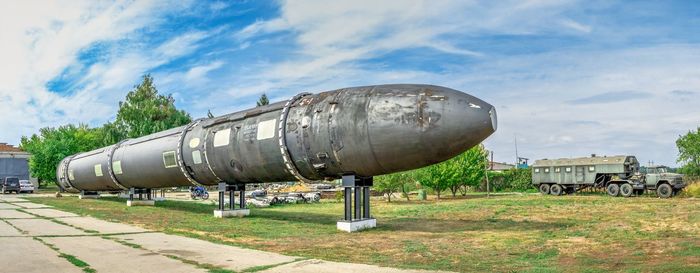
(16, 164)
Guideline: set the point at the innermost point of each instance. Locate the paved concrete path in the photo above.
(24, 254)
(223, 256)
(121, 258)
(45, 236)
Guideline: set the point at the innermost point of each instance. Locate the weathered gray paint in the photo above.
(369, 131)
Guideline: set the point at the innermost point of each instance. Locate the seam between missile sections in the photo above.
(369, 136)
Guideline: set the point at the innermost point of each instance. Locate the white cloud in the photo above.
(42, 39)
(530, 91)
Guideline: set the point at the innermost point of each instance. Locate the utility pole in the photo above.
(517, 157)
(486, 173)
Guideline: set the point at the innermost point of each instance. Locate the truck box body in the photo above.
(583, 171)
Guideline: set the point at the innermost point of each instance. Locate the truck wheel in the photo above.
(664, 191)
(626, 190)
(613, 190)
(544, 189)
(555, 189)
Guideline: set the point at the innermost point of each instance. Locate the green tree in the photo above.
(510, 180)
(51, 145)
(389, 184)
(689, 152)
(145, 111)
(469, 169)
(263, 100)
(436, 177)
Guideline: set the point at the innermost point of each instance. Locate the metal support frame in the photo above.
(357, 198)
(140, 194)
(232, 189)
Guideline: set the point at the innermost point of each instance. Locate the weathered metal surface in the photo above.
(582, 171)
(368, 131)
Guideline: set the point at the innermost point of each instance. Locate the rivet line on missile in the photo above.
(110, 155)
(178, 153)
(65, 170)
(206, 158)
(289, 165)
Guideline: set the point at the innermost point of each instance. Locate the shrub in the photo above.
(692, 190)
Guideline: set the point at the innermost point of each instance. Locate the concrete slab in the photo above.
(11, 199)
(7, 230)
(26, 255)
(356, 225)
(319, 266)
(8, 206)
(43, 227)
(13, 214)
(30, 205)
(51, 213)
(229, 257)
(100, 226)
(109, 256)
(231, 213)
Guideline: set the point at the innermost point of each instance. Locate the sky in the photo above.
(568, 78)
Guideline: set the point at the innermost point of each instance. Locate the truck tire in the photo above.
(664, 191)
(613, 190)
(626, 190)
(544, 189)
(555, 189)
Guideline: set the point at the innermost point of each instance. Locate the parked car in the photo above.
(10, 184)
(26, 186)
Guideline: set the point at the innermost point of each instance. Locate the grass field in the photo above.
(530, 233)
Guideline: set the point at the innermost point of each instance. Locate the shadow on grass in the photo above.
(443, 225)
(430, 225)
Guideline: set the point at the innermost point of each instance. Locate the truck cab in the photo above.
(664, 182)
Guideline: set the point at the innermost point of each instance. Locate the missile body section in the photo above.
(366, 131)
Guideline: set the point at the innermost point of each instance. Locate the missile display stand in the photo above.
(232, 211)
(356, 197)
(140, 201)
(89, 195)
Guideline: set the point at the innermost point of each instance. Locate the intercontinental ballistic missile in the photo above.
(365, 131)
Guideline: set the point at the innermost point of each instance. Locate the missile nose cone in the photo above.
(411, 126)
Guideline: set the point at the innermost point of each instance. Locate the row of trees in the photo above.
(466, 172)
(689, 153)
(143, 112)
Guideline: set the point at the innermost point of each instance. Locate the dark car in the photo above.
(10, 184)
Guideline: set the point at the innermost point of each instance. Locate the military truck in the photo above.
(618, 175)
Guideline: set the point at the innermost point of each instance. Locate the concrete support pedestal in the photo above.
(231, 213)
(357, 225)
(357, 212)
(133, 203)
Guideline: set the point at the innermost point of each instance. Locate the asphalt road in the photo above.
(38, 238)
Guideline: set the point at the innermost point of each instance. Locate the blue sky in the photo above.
(568, 78)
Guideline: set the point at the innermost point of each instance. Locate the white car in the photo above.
(26, 186)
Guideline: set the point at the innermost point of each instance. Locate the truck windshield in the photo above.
(12, 181)
(661, 170)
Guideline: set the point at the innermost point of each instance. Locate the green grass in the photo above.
(530, 233)
(70, 258)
